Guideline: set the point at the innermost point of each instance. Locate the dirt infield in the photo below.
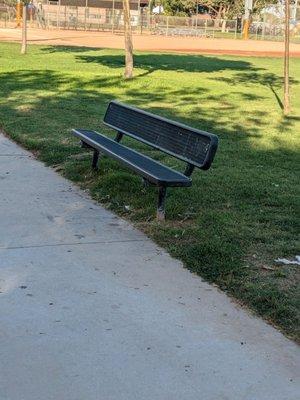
(152, 43)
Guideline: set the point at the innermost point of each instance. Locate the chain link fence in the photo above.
(47, 14)
(193, 26)
(62, 16)
(270, 25)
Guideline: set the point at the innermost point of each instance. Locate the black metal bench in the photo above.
(195, 147)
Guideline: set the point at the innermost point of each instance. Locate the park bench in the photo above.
(196, 148)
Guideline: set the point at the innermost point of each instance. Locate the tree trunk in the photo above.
(24, 30)
(218, 17)
(224, 18)
(224, 25)
(286, 102)
(128, 41)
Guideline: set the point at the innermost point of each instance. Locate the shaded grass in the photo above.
(238, 216)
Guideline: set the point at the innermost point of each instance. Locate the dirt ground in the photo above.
(151, 42)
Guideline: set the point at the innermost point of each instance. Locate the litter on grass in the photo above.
(285, 261)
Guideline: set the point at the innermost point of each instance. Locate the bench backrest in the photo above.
(183, 142)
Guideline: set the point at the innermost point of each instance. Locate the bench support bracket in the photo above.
(118, 137)
(85, 145)
(189, 169)
(162, 191)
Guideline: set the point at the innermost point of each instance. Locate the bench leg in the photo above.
(145, 183)
(161, 203)
(95, 159)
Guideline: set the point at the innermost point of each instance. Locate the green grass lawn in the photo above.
(238, 216)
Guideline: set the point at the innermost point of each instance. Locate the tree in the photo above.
(179, 7)
(10, 7)
(257, 7)
(219, 9)
(14, 3)
(24, 27)
(128, 41)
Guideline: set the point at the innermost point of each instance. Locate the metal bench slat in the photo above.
(150, 169)
(183, 142)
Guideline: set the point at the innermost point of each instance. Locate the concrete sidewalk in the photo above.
(91, 309)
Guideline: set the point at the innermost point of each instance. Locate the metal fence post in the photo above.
(57, 16)
(59, 1)
(263, 27)
(167, 30)
(149, 22)
(141, 21)
(85, 13)
(76, 18)
(113, 17)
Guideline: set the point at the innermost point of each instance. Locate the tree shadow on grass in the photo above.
(170, 62)
(265, 79)
(156, 61)
(68, 49)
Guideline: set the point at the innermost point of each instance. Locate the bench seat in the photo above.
(153, 171)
